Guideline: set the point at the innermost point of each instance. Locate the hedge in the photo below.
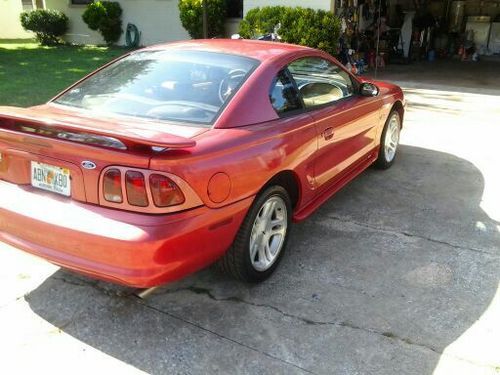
(48, 25)
(304, 26)
(105, 17)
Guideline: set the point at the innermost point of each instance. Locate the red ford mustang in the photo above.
(176, 156)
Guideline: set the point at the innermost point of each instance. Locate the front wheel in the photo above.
(262, 238)
(389, 141)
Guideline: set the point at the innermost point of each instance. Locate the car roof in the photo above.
(256, 49)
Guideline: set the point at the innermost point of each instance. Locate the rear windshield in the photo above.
(184, 86)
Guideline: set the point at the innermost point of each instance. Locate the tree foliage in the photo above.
(191, 14)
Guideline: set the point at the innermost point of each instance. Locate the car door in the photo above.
(301, 139)
(346, 122)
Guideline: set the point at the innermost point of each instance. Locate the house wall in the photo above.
(315, 4)
(157, 20)
(10, 26)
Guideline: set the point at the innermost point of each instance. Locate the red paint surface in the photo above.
(145, 246)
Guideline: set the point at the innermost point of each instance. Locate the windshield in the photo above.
(185, 86)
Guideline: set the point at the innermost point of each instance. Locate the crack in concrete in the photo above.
(129, 295)
(95, 285)
(186, 321)
(390, 335)
(208, 293)
(408, 234)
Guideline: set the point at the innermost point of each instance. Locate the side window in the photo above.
(320, 81)
(283, 94)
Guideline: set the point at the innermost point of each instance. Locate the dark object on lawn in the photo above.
(48, 25)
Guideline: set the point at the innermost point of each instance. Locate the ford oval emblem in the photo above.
(88, 164)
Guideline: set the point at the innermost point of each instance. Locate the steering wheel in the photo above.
(229, 83)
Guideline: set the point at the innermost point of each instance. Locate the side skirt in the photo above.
(308, 210)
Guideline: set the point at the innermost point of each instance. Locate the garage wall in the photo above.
(315, 4)
(157, 20)
(10, 26)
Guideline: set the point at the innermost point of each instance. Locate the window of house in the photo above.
(283, 94)
(320, 81)
(27, 4)
(234, 8)
(81, 2)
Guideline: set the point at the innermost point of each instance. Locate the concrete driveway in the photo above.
(397, 274)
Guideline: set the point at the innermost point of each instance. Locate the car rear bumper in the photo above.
(133, 249)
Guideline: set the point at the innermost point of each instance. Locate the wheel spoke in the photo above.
(262, 255)
(269, 253)
(273, 223)
(278, 229)
(266, 210)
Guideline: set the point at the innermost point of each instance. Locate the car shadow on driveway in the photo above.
(382, 279)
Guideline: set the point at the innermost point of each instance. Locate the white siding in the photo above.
(315, 4)
(78, 31)
(10, 25)
(157, 20)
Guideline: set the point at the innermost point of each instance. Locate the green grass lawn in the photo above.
(31, 74)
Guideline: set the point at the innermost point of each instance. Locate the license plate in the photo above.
(51, 178)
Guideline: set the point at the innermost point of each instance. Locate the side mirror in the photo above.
(368, 89)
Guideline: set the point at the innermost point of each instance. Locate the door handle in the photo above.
(328, 134)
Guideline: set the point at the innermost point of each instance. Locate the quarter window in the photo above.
(283, 94)
(320, 81)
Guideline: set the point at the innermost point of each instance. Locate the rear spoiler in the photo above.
(27, 120)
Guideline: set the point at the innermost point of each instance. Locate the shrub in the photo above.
(191, 14)
(48, 25)
(105, 17)
(304, 26)
(260, 21)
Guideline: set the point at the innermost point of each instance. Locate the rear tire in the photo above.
(389, 141)
(262, 238)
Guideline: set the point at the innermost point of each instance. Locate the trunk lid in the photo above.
(64, 138)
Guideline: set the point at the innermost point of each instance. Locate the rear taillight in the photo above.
(165, 192)
(112, 186)
(145, 191)
(136, 189)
